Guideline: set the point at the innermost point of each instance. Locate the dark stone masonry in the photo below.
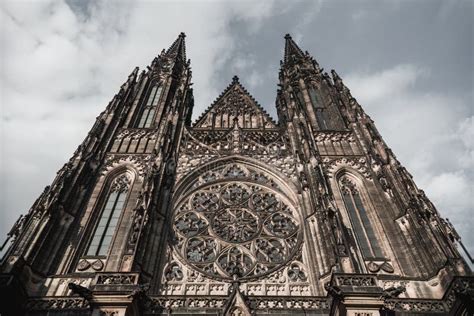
(234, 214)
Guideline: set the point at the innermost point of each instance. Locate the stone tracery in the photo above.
(236, 228)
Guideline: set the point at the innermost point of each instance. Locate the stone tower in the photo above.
(236, 214)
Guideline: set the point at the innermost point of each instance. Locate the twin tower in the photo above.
(234, 214)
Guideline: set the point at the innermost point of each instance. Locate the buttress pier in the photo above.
(236, 213)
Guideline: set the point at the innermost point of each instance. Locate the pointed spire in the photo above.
(178, 48)
(292, 51)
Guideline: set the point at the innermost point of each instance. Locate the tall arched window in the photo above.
(109, 217)
(357, 211)
(149, 108)
(321, 114)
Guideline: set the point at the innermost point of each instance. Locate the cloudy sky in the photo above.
(409, 63)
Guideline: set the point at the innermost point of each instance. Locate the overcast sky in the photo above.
(409, 63)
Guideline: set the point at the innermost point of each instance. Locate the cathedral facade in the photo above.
(236, 213)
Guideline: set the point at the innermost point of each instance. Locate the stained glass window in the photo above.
(149, 108)
(109, 217)
(361, 224)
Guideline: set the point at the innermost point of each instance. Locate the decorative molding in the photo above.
(86, 264)
(374, 266)
(358, 164)
(136, 133)
(412, 305)
(56, 303)
(355, 280)
(139, 162)
(121, 183)
(157, 304)
(116, 279)
(335, 136)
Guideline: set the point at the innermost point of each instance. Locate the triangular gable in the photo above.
(236, 303)
(235, 105)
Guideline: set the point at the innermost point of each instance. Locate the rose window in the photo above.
(235, 225)
(236, 229)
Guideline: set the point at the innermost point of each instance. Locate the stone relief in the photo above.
(359, 164)
(139, 162)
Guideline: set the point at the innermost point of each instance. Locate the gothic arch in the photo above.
(361, 215)
(103, 184)
(358, 166)
(285, 185)
(123, 177)
(148, 103)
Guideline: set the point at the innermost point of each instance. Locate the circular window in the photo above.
(236, 229)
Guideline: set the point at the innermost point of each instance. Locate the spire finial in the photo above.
(292, 51)
(235, 79)
(178, 49)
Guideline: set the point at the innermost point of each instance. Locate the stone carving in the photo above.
(121, 183)
(97, 265)
(375, 267)
(233, 171)
(90, 264)
(359, 164)
(407, 305)
(276, 303)
(156, 305)
(139, 162)
(393, 292)
(200, 146)
(57, 303)
(333, 290)
(355, 280)
(116, 279)
(334, 136)
(238, 228)
(80, 290)
(174, 272)
(296, 273)
(460, 288)
(235, 103)
(83, 265)
(136, 225)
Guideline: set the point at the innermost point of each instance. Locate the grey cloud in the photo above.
(85, 49)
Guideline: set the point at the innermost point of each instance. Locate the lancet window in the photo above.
(321, 114)
(357, 210)
(109, 216)
(149, 106)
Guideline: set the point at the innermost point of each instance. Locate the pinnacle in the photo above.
(235, 79)
(178, 48)
(292, 50)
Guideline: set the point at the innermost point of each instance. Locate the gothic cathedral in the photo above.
(236, 213)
